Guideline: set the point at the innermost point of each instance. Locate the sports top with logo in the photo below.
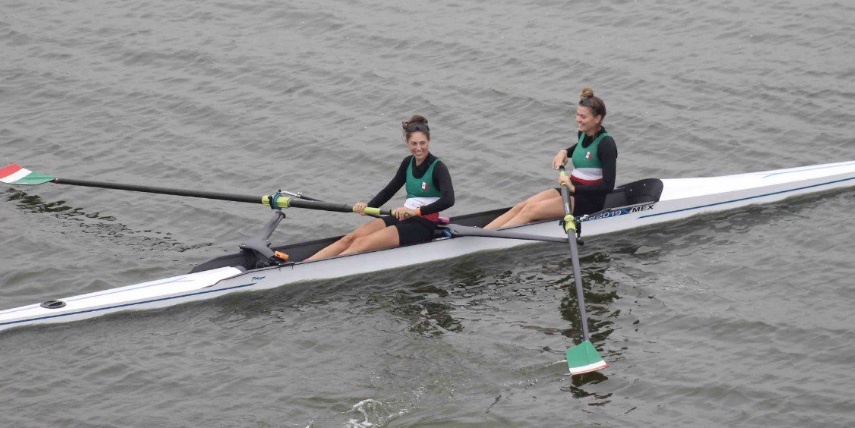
(595, 169)
(587, 168)
(428, 188)
(422, 191)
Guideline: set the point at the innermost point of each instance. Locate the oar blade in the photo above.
(16, 174)
(584, 358)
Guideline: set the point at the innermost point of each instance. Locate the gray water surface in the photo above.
(737, 319)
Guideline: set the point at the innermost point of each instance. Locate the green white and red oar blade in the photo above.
(16, 174)
(584, 358)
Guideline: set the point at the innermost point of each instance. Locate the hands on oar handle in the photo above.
(400, 212)
(279, 201)
(569, 222)
(564, 180)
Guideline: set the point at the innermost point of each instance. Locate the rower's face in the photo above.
(419, 145)
(585, 119)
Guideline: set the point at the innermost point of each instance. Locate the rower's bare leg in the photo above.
(346, 241)
(543, 210)
(386, 238)
(531, 206)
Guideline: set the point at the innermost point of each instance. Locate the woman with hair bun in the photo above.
(429, 191)
(594, 158)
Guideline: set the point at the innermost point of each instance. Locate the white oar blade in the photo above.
(584, 358)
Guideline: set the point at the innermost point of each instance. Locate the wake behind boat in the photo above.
(255, 267)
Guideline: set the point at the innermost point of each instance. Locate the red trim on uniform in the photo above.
(577, 180)
(9, 170)
(434, 217)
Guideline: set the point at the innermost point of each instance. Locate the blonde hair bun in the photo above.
(586, 93)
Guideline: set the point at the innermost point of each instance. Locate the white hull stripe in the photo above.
(125, 305)
(748, 198)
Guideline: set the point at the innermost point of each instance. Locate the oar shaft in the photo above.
(281, 201)
(459, 230)
(574, 254)
(163, 190)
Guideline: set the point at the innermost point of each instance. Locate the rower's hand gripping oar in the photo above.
(278, 201)
(582, 358)
(15, 174)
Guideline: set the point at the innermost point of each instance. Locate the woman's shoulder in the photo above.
(607, 147)
(607, 138)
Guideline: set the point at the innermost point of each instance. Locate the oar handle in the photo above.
(569, 220)
(278, 201)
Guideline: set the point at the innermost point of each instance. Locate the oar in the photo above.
(583, 358)
(460, 230)
(15, 174)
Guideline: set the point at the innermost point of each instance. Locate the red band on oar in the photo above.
(9, 170)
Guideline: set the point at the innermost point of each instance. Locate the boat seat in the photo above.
(637, 192)
(615, 199)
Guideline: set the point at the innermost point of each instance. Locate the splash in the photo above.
(374, 414)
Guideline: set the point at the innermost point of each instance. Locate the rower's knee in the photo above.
(527, 212)
(519, 207)
(357, 244)
(347, 240)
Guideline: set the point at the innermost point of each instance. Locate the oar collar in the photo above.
(276, 201)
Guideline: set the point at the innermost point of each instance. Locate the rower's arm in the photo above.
(394, 185)
(570, 153)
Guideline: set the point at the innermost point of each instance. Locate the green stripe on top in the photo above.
(422, 187)
(587, 157)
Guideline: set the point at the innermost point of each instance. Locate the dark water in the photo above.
(742, 319)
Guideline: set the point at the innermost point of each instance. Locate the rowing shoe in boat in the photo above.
(254, 267)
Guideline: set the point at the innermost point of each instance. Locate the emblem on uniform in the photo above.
(589, 155)
(424, 185)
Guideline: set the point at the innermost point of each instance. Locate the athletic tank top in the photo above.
(422, 191)
(587, 168)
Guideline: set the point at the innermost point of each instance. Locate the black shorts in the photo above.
(585, 205)
(414, 230)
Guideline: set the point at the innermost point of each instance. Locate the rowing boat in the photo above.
(637, 204)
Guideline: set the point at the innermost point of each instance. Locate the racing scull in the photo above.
(638, 204)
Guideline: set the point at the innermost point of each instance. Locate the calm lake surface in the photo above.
(739, 319)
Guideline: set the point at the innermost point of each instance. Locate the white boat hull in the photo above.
(680, 198)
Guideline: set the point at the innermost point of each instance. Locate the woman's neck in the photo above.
(419, 162)
(595, 131)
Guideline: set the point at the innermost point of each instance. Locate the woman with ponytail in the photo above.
(429, 191)
(594, 158)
